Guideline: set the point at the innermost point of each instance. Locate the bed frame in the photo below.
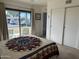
(44, 52)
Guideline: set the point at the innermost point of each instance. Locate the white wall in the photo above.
(16, 5)
(1, 0)
(39, 23)
(37, 9)
(61, 3)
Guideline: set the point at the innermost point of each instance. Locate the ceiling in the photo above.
(32, 2)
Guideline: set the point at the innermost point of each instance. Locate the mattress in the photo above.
(47, 49)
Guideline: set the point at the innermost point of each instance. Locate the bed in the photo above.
(45, 50)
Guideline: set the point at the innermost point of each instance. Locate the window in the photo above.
(18, 22)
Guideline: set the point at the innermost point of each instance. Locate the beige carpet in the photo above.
(67, 53)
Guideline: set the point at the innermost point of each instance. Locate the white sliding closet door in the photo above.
(57, 25)
(71, 35)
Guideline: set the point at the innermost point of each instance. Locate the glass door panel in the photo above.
(25, 23)
(29, 22)
(13, 23)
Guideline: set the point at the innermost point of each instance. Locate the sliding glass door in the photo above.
(18, 22)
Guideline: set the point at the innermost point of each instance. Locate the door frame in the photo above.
(19, 18)
(44, 23)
